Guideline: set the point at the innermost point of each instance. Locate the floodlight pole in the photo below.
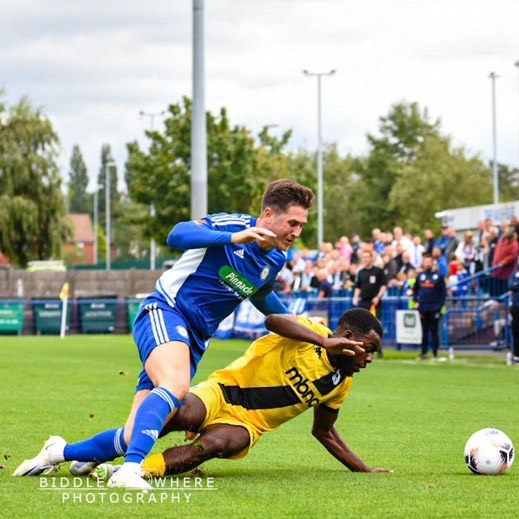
(493, 76)
(319, 75)
(198, 121)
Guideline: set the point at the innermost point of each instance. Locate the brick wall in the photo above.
(122, 283)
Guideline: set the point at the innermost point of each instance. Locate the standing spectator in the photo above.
(491, 243)
(514, 221)
(443, 241)
(324, 289)
(505, 257)
(390, 264)
(378, 243)
(297, 263)
(356, 244)
(441, 261)
(467, 252)
(370, 284)
(453, 242)
(416, 251)
(285, 279)
(399, 250)
(400, 237)
(459, 283)
(308, 280)
(429, 241)
(513, 285)
(429, 294)
(407, 265)
(345, 248)
(349, 283)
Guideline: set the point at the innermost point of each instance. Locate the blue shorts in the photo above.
(156, 323)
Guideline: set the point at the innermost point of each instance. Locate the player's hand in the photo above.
(379, 470)
(342, 346)
(252, 234)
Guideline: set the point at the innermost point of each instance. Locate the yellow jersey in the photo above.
(278, 378)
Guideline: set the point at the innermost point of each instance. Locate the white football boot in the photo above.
(129, 477)
(46, 461)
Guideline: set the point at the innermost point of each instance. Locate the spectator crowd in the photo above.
(334, 268)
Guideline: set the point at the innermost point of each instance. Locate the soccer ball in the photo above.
(489, 451)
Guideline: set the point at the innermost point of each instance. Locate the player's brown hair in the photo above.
(284, 193)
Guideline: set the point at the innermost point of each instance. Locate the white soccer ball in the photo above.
(489, 451)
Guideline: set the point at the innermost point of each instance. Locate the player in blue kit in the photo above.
(227, 258)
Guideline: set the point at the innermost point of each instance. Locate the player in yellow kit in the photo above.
(279, 377)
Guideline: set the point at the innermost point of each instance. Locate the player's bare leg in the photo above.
(215, 441)
(168, 367)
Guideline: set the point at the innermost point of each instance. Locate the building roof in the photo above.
(82, 227)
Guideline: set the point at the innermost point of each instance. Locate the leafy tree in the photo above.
(402, 134)
(508, 177)
(32, 215)
(340, 175)
(239, 167)
(439, 177)
(108, 168)
(78, 198)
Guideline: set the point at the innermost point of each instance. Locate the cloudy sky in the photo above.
(94, 65)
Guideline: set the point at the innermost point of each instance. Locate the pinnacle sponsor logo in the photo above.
(239, 253)
(235, 280)
(302, 387)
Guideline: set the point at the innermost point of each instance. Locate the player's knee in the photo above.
(179, 389)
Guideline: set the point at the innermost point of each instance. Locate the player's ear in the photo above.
(348, 334)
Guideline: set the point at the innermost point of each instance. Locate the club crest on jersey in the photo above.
(264, 273)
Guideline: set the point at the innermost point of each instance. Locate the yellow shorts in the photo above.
(219, 411)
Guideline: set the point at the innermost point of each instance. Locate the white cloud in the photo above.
(94, 65)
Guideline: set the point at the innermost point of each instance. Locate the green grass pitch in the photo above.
(412, 417)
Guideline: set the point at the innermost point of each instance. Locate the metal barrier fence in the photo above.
(468, 322)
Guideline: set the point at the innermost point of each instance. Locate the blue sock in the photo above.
(148, 423)
(102, 447)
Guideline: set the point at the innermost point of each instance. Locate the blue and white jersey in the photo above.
(213, 276)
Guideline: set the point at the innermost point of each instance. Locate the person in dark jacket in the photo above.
(429, 294)
(513, 285)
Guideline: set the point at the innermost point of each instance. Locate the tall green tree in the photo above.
(340, 176)
(402, 134)
(438, 178)
(108, 169)
(239, 167)
(33, 209)
(79, 201)
(508, 182)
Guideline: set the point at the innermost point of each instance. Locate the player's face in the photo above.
(371, 345)
(286, 225)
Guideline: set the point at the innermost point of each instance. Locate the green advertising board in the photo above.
(11, 317)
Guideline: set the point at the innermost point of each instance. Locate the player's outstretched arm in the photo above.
(288, 326)
(323, 429)
(200, 234)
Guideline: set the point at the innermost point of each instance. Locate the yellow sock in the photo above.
(154, 465)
